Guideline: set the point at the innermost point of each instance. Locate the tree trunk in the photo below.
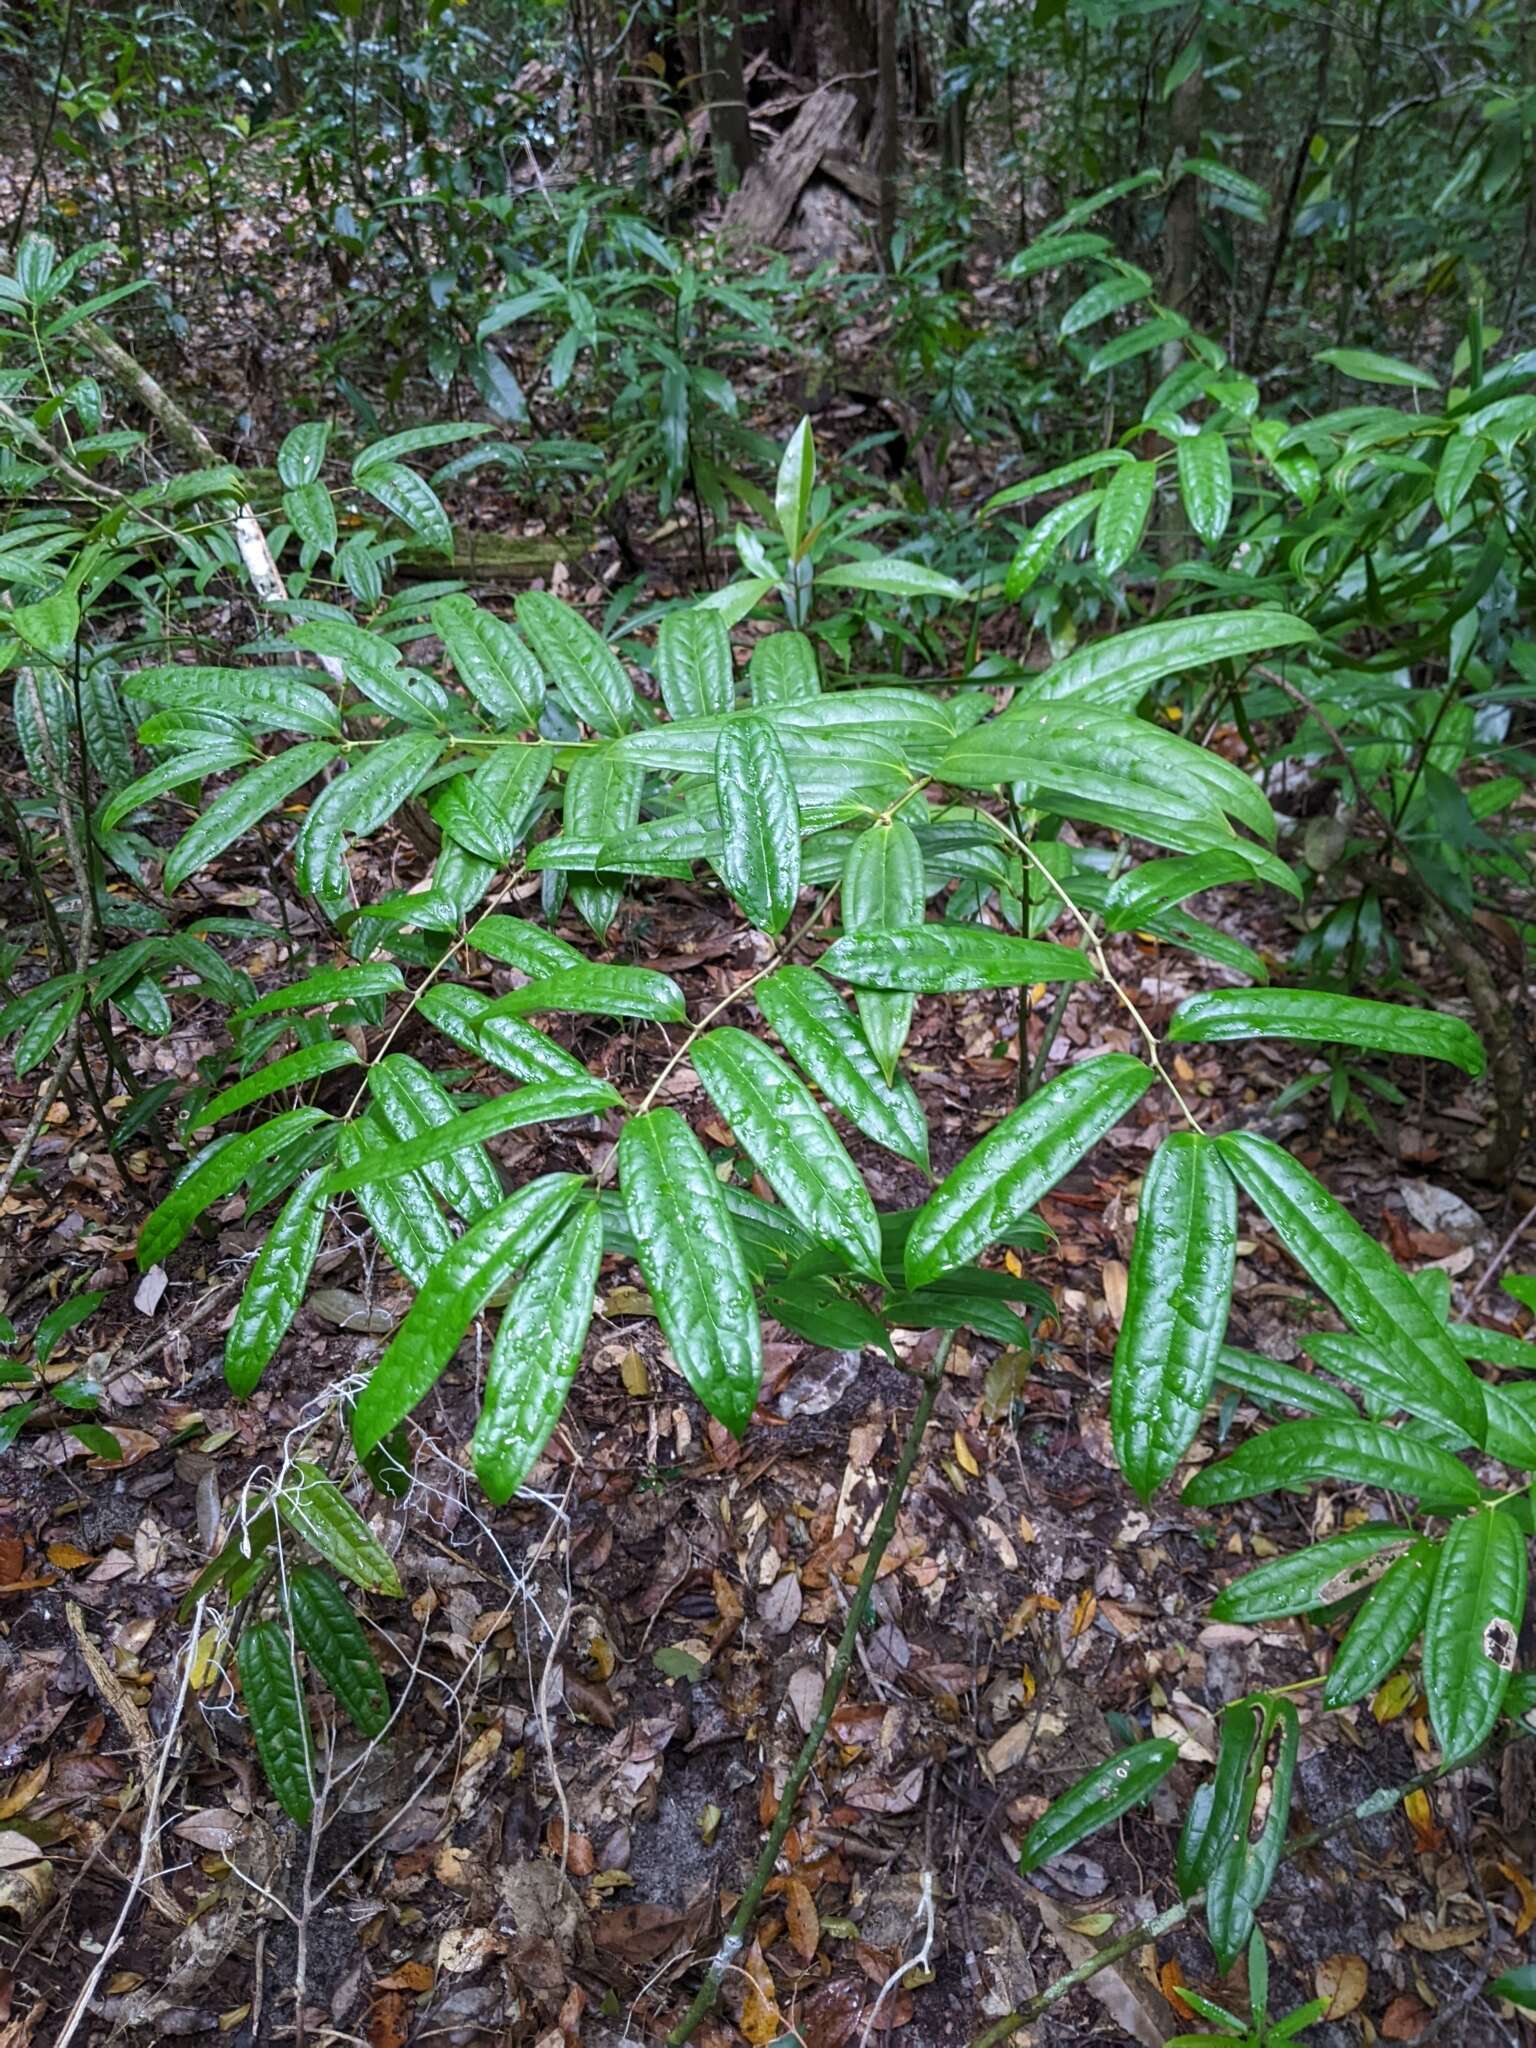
(887, 127)
(730, 132)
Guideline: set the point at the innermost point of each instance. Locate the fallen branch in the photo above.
(735, 1935)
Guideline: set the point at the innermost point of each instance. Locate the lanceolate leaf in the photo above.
(1294, 1455)
(537, 1350)
(234, 811)
(518, 1048)
(814, 1026)
(329, 985)
(1157, 885)
(1205, 482)
(1179, 1290)
(598, 991)
(1367, 1287)
(526, 946)
(1118, 670)
(1285, 1386)
(492, 663)
(311, 1502)
(883, 890)
(1243, 1869)
(284, 699)
(693, 664)
(943, 959)
(1000, 1180)
(1315, 1018)
(276, 1284)
(795, 487)
(217, 1173)
(692, 1263)
(458, 1139)
(1476, 1607)
(602, 801)
(1389, 1619)
(403, 1212)
(774, 1118)
(579, 662)
(1319, 1576)
(1122, 515)
(359, 802)
(489, 812)
(1093, 1802)
(413, 1105)
(291, 1071)
(783, 670)
(480, 1263)
(333, 1639)
(759, 860)
(269, 1685)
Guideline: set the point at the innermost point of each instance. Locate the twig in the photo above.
(735, 1935)
(1503, 1253)
(148, 1836)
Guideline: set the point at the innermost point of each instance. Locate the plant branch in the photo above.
(735, 1935)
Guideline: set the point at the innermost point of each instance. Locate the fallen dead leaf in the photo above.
(1342, 1980)
(1404, 2019)
(801, 1919)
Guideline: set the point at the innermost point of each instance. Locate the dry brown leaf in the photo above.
(760, 2020)
(1342, 1980)
(23, 1789)
(1404, 2019)
(801, 1918)
(1435, 1940)
(1527, 1893)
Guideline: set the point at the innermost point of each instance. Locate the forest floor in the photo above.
(602, 1686)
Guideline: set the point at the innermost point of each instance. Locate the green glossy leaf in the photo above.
(1285, 1386)
(518, 1048)
(1385, 1627)
(889, 576)
(692, 1262)
(1042, 540)
(775, 1119)
(537, 1350)
(1367, 1287)
(1122, 515)
(794, 488)
(1104, 298)
(1295, 1455)
(234, 811)
(414, 1107)
(1313, 1018)
(491, 662)
(1205, 482)
(489, 812)
(476, 1266)
(275, 1286)
(1367, 367)
(180, 772)
(274, 1702)
(814, 1026)
(312, 513)
(783, 670)
(457, 1140)
(332, 1638)
(598, 991)
(1177, 1297)
(374, 668)
(328, 985)
(303, 451)
(403, 1213)
(602, 802)
(759, 858)
(358, 803)
(999, 1181)
(63, 1317)
(1320, 1576)
(217, 1172)
(1472, 1630)
(1058, 477)
(266, 698)
(694, 670)
(291, 1071)
(943, 959)
(1124, 1781)
(883, 889)
(579, 662)
(527, 947)
(1117, 671)
(313, 1505)
(1243, 1868)
(1143, 892)
(408, 498)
